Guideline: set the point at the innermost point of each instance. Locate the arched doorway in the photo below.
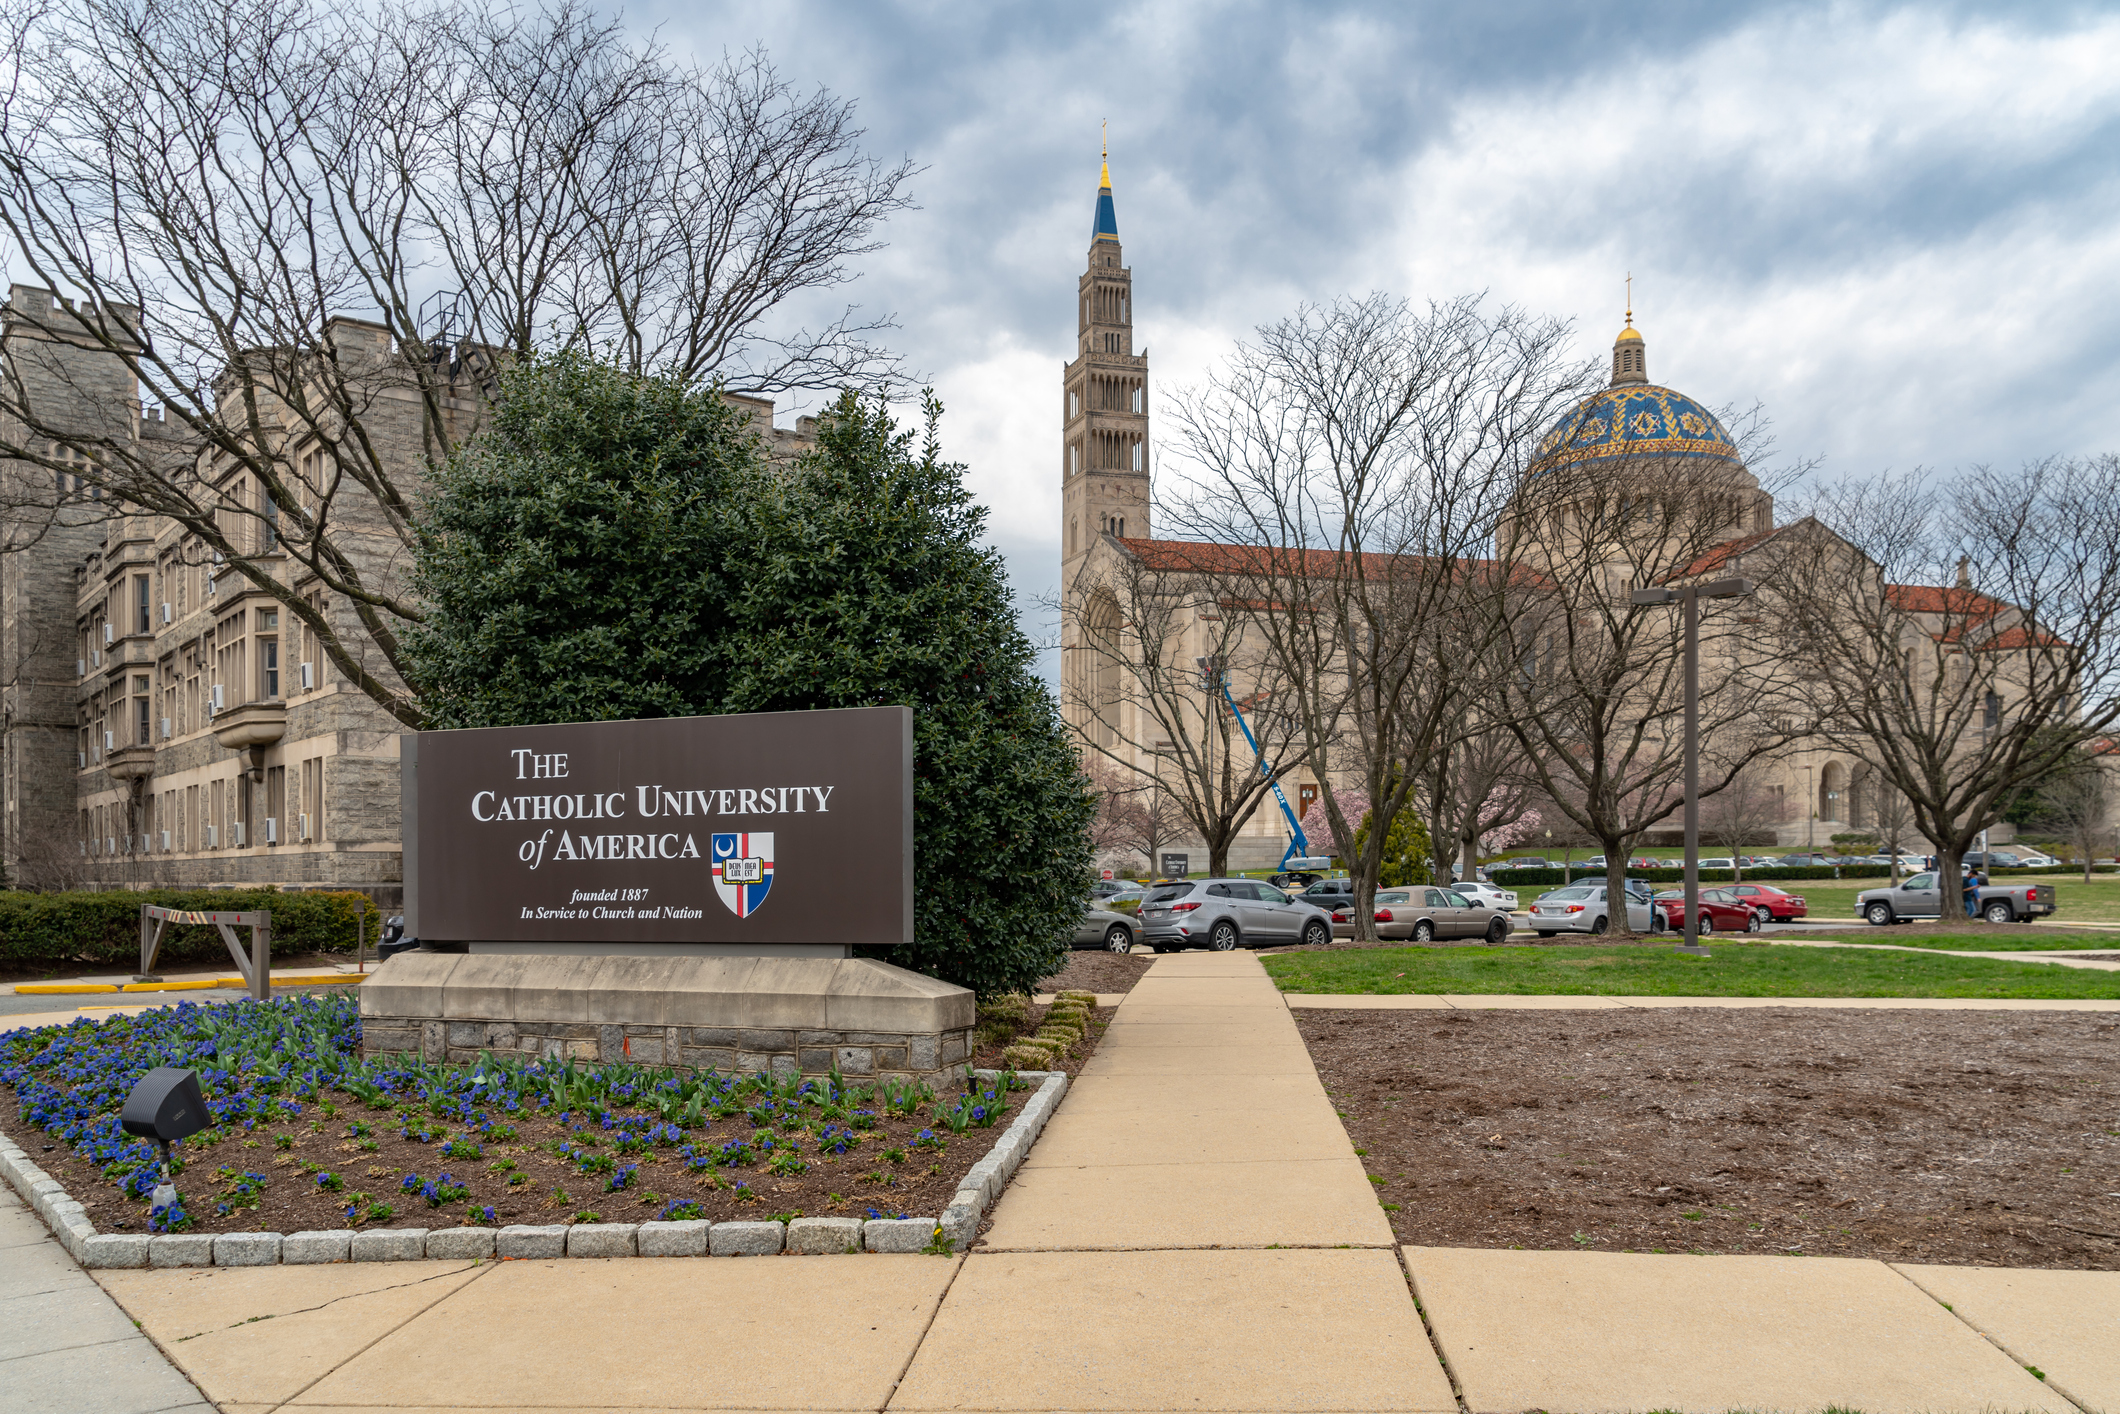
(1833, 791)
(1104, 668)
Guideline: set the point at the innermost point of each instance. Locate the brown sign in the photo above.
(777, 827)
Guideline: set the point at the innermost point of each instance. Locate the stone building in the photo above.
(167, 722)
(1117, 578)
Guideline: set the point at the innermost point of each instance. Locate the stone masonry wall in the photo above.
(782, 1052)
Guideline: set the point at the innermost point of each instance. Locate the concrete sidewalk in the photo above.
(1502, 1001)
(1192, 1232)
(64, 1344)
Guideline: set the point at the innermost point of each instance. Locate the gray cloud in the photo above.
(1894, 226)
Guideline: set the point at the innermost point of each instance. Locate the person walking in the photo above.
(1972, 895)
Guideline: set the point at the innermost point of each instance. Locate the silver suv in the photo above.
(1221, 914)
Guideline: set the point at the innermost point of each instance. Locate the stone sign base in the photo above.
(788, 1015)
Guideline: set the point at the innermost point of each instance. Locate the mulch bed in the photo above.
(557, 1186)
(1978, 1137)
(1105, 973)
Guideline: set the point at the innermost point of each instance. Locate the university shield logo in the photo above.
(743, 871)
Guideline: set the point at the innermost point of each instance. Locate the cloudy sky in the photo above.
(1894, 227)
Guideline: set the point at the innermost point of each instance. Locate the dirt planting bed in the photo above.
(1105, 973)
(368, 1147)
(1979, 1137)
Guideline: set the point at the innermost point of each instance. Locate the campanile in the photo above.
(1104, 458)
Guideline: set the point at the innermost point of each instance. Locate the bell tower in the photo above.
(1104, 461)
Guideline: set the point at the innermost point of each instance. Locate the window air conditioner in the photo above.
(84, 846)
(220, 702)
(213, 836)
(95, 657)
(239, 834)
(304, 821)
(110, 844)
(309, 676)
(165, 729)
(166, 616)
(81, 759)
(80, 667)
(165, 841)
(272, 829)
(95, 753)
(146, 845)
(110, 633)
(110, 741)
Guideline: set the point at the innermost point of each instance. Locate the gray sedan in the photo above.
(1102, 928)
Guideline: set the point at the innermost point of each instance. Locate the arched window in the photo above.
(1139, 451)
(1071, 528)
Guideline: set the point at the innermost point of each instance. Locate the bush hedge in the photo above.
(1509, 877)
(102, 929)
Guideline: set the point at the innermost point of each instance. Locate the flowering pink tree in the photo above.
(1512, 834)
(1317, 826)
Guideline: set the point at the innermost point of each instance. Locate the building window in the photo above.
(1139, 451)
(143, 614)
(268, 656)
(1993, 712)
(143, 709)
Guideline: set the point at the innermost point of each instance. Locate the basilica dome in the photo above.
(1634, 418)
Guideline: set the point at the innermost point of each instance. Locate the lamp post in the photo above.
(1688, 600)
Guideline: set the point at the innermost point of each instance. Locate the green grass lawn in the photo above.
(2012, 940)
(1733, 970)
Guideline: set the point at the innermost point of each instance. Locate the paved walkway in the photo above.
(1192, 1232)
(1463, 1001)
(65, 1346)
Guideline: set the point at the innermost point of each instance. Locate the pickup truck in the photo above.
(1918, 897)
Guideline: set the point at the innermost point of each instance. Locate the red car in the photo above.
(1720, 911)
(1778, 906)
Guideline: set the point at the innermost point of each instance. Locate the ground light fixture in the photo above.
(165, 1106)
(1688, 598)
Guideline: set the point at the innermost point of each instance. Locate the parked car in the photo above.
(1427, 912)
(1581, 908)
(1716, 864)
(1104, 888)
(1771, 904)
(1221, 914)
(1990, 859)
(1921, 897)
(1815, 861)
(1329, 894)
(1720, 910)
(1127, 900)
(1488, 895)
(1102, 928)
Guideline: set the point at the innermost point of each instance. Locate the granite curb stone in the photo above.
(459, 1244)
(897, 1234)
(601, 1239)
(820, 1237)
(390, 1244)
(180, 1249)
(247, 1249)
(678, 1239)
(328, 1245)
(115, 1249)
(745, 1239)
(519, 1240)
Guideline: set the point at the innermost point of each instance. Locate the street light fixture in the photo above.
(1688, 600)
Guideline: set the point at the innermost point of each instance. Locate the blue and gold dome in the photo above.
(1635, 418)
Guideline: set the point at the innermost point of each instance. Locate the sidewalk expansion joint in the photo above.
(1972, 1326)
(478, 1269)
(64, 1349)
(1413, 1292)
(905, 1367)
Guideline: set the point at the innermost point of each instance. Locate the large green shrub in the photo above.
(614, 547)
(52, 932)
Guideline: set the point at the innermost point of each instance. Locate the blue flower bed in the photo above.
(302, 1120)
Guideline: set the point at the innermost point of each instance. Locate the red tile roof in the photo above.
(1717, 556)
(1934, 599)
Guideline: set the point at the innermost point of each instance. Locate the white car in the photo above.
(1488, 896)
(2036, 860)
(1715, 864)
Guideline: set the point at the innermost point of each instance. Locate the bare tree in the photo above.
(1351, 462)
(1740, 812)
(1599, 701)
(306, 238)
(1135, 814)
(1960, 632)
(1149, 712)
(2076, 803)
